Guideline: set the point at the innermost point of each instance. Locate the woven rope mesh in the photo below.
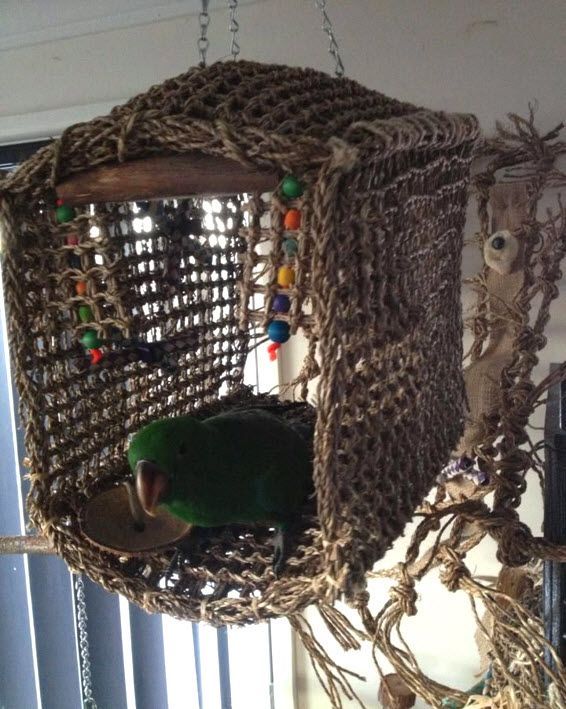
(377, 294)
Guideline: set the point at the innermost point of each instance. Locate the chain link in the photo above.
(84, 651)
(333, 48)
(204, 21)
(234, 28)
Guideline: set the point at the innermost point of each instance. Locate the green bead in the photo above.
(64, 213)
(290, 247)
(291, 187)
(85, 313)
(90, 340)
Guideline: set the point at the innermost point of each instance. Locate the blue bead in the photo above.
(278, 331)
(281, 303)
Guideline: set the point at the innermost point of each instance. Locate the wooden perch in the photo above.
(25, 545)
(162, 177)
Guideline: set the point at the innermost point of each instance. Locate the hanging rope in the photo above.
(328, 29)
(203, 43)
(234, 28)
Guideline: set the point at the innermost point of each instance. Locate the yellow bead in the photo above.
(285, 276)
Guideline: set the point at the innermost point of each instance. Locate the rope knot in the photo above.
(344, 156)
(125, 129)
(515, 545)
(404, 594)
(454, 571)
(360, 600)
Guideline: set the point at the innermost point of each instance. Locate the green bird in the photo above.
(242, 467)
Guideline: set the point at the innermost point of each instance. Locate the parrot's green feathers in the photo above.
(240, 467)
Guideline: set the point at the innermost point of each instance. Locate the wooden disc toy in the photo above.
(112, 521)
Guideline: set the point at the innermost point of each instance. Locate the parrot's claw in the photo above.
(174, 566)
(280, 552)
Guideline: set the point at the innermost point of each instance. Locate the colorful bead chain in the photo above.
(89, 339)
(465, 467)
(278, 331)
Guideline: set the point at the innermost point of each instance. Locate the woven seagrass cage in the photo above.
(377, 294)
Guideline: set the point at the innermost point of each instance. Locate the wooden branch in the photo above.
(161, 177)
(25, 545)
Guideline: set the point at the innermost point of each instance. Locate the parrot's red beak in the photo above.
(152, 485)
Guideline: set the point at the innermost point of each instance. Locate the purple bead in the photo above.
(281, 303)
(464, 463)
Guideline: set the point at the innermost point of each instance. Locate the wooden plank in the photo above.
(555, 519)
(162, 177)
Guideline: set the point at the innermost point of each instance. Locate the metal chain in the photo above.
(84, 651)
(234, 28)
(204, 21)
(333, 44)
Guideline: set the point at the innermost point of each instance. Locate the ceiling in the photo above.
(27, 22)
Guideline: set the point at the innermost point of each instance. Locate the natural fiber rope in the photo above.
(516, 640)
(377, 295)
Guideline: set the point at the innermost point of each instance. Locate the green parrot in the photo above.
(242, 467)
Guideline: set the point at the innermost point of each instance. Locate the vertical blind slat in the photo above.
(148, 658)
(211, 698)
(54, 624)
(180, 664)
(249, 666)
(105, 646)
(17, 658)
(224, 667)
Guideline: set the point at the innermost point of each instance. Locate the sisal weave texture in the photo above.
(377, 294)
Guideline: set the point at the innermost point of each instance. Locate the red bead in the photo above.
(95, 356)
(272, 349)
(72, 239)
(59, 202)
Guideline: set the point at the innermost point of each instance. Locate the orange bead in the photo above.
(285, 276)
(292, 219)
(80, 287)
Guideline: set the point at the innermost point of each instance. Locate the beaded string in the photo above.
(89, 339)
(278, 330)
(464, 467)
(162, 352)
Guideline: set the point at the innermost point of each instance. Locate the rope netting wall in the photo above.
(169, 314)
(377, 293)
(520, 168)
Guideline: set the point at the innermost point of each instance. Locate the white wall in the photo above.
(485, 56)
(488, 57)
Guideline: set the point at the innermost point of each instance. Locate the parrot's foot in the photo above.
(281, 550)
(174, 567)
